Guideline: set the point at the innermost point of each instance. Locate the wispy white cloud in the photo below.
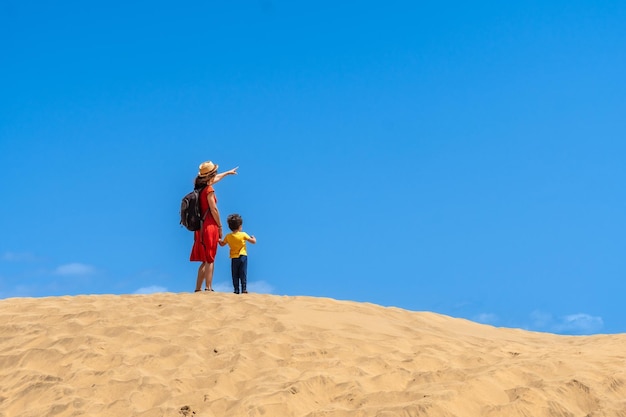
(486, 318)
(541, 320)
(152, 289)
(74, 269)
(17, 257)
(262, 287)
(18, 291)
(579, 323)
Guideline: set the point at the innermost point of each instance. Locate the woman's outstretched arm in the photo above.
(218, 177)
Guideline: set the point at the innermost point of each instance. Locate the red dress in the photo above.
(205, 240)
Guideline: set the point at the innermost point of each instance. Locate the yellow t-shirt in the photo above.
(237, 243)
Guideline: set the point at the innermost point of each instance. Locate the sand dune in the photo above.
(219, 354)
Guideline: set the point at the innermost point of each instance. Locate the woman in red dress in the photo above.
(205, 240)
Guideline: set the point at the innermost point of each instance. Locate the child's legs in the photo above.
(235, 265)
(243, 272)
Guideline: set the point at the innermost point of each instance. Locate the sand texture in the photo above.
(221, 354)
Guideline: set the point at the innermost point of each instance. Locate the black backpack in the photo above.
(190, 215)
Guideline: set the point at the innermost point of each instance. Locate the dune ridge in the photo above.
(221, 354)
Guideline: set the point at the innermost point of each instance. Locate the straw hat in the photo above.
(207, 168)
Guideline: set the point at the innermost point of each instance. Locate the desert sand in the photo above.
(221, 354)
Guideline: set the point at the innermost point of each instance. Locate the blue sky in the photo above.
(456, 157)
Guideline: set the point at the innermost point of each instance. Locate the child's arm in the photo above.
(251, 239)
(218, 177)
(222, 242)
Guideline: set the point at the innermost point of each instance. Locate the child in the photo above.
(238, 255)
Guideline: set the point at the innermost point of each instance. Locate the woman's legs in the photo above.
(208, 275)
(201, 272)
(205, 274)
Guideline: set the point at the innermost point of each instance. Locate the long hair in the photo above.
(202, 182)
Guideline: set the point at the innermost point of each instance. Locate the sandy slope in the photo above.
(219, 354)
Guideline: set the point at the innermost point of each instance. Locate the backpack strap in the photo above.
(208, 210)
(205, 214)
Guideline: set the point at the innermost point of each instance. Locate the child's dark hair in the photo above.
(234, 221)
